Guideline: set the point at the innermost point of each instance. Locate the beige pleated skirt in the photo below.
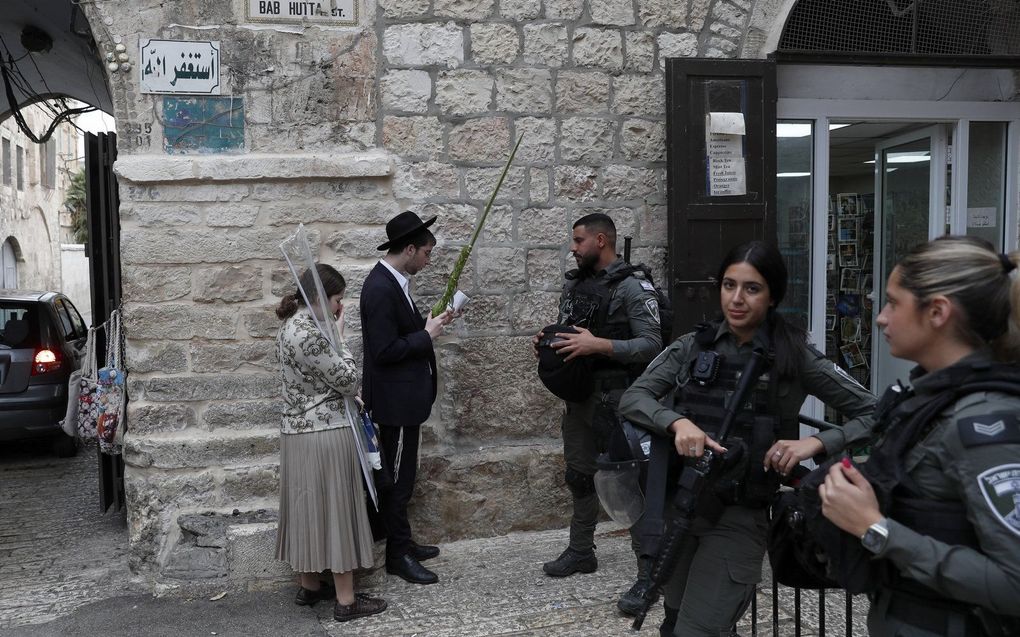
(323, 520)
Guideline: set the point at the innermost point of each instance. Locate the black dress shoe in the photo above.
(422, 552)
(411, 570)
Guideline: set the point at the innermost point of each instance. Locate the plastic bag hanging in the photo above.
(298, 254)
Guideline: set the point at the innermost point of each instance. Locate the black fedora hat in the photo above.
(402, 226)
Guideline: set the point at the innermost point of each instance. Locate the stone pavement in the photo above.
(63, 571)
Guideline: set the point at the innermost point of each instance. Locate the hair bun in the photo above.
(1007, 264)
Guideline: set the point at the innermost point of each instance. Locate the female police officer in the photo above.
(951, 542)
(720, 563)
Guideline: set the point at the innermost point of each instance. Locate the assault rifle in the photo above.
(694, 480)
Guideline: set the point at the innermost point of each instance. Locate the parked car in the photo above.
(42, 340)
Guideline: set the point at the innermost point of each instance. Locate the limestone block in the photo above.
(160, 356)
(524, 90)
(499, 227)
(485, 139)
(150, 419)
(587, 139)
(205, 451)
(352, 210)
(175, 321)
(231, 215)
(624, 218)
(697, 14)
(612, 12)
(422, 180)
(424, 44)
(643, 140)
(431, 281)
(153, 494)
(563, 9)
(538, 192)
(486, 314)
(405, 90)
(639, 95)
(356, 243)
(463, 92)
(720, 48)
(539, 144)
(599, 48)
(215, 357)
(404, 8)
(585, 92)
(545, 268)
(148, 215)
(629, 183)
(480, 182)
(289, 191)
(501, 268)
(175, 192)
(677, 45)
(252, 565)
(744, 5)
(530, 311)
(244, 414)
(723, 30)
(576, 183)
(231, 283)
(520, 10)
(469, 10)
(354, 276)
(261, 323)
(496, 375)
(545, 226)
(495, 43)
(413, 138)
(196, 563)
(655, 258)
(662, 13)
(653, 223)
(181, 245)
(255, 481)
(640, 56)
(145, 284)
(456, 221)
(209, 387)
(545, 44)
(726, 14)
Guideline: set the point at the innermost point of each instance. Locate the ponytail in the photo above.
(1007, 346)
(288, 306)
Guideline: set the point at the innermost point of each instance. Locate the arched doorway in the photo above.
(9, 264)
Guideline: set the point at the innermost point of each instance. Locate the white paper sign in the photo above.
(328, 12)
(726, 177)
(728, 123)
(723, 146)
(175, 66)
(982, 217)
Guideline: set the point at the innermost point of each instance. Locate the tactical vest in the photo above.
(755, 429)
(586, 304)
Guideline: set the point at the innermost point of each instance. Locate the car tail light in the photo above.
(46, 360)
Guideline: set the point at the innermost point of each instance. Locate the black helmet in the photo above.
(570, 380)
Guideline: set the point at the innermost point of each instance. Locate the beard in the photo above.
(586, 262)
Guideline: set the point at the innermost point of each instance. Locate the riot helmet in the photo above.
(570, 380)
(621, 473)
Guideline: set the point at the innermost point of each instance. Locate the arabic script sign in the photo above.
(322, 12)
(174, 66)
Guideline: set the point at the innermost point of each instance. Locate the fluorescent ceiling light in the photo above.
(904, 158)
(838, 126)
(792, 130)
(793, 175)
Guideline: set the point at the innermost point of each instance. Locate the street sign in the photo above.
(317, 12)
(176, 66)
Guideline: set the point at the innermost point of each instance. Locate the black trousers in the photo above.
(393, 502)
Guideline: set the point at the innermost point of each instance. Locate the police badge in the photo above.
(1001, 487)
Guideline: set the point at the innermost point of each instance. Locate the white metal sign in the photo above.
(319, 12)
(175, 66)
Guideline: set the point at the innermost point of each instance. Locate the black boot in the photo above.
(669, 621)
(634, 600)
(570, 562)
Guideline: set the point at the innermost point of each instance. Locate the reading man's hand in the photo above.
(434, 324)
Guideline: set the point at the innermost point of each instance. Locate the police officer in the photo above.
(721, 562)
(950, 538)
(616, 329)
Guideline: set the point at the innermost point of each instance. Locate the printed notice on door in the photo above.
(724, 148)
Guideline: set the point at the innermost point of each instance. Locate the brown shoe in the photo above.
(363, 606)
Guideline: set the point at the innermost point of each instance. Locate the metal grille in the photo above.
(925, 27)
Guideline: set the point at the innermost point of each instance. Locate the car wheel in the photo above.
(65, 446)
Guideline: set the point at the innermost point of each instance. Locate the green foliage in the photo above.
(74, 201)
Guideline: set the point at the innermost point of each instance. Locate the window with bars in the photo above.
(7, 161)
(923, 27)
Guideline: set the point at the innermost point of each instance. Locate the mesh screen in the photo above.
(927, 27)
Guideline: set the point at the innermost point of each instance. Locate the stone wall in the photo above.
(341, 128)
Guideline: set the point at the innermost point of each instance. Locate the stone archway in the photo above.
(9, 258)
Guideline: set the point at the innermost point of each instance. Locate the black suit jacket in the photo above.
(398, 387)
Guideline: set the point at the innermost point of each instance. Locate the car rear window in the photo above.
(19, 325)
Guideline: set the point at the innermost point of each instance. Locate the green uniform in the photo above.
(971, 455)
(633, 311)
(720, 564)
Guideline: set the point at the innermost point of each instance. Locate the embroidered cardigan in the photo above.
(315, 377)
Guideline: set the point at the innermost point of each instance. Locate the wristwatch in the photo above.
(876, 537)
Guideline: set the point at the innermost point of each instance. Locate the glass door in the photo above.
(910, 208)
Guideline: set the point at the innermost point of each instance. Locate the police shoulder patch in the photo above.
(653, 308)
(647, 285)
(1001, 487)
(844, 375)
(990, 429)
